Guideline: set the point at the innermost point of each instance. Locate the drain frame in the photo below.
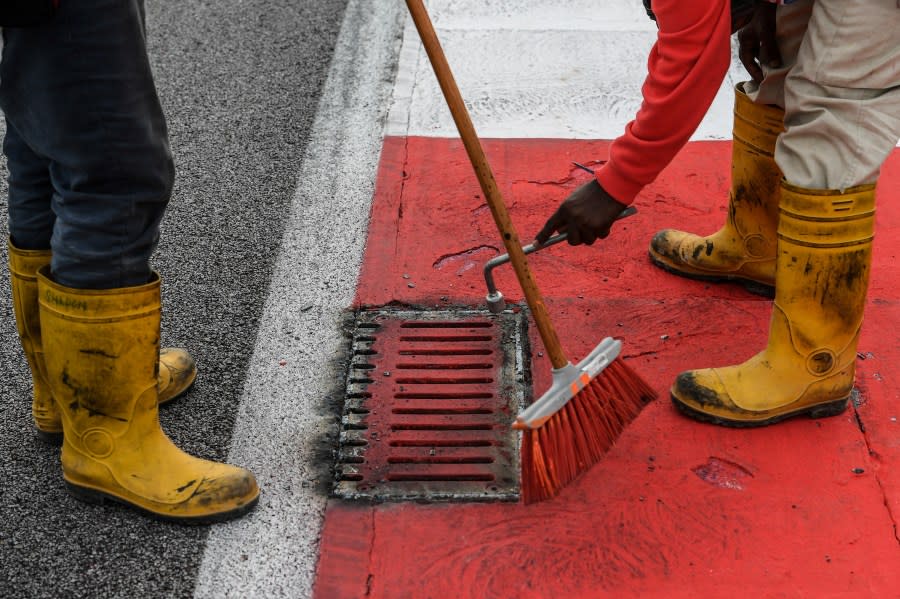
(400, 439)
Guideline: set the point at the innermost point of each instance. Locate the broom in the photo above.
(578, 419)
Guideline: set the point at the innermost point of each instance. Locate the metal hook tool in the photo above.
(495, 301)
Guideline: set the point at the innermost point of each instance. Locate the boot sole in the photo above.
(754, 287)
(95, 497)
(826, 410)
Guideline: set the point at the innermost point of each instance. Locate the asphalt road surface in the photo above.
(275, 115)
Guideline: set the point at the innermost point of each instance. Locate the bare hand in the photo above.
(757, 45)
(586, 215)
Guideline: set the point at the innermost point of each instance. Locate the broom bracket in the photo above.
(567, 382)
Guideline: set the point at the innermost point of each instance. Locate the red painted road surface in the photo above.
(677, 508)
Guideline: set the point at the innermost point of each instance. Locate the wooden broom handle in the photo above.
(486, 179)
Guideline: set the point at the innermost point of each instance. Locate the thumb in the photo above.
(549, 228)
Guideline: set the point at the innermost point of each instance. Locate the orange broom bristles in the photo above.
(579, 434)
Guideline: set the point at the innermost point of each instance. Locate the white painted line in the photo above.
(273, 551)
(524, 15)
(562, 69)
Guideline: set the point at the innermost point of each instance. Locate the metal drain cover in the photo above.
(430, 399)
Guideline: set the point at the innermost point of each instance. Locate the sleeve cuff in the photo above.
(621, 189)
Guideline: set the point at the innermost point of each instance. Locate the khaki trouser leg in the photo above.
(843, 96)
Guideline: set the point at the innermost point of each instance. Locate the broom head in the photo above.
(575, 423)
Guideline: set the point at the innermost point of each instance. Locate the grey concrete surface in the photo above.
(240, 82)
(293, 394)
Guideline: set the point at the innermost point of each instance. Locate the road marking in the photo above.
(569, 69)
(273, 551)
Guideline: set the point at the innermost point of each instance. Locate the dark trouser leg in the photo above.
(30, 191)
(80, 94)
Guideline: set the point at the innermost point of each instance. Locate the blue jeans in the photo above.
(90, 170)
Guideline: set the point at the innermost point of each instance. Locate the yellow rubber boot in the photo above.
(23, 267)
(824, 258)
(743, 250)
(101, 350)
(177, 369)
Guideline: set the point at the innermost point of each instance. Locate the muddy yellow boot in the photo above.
(177, 369)
(743, 250)
(101, 352)
(23, 267)
(824, 258)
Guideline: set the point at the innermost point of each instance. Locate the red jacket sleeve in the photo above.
(686, 68)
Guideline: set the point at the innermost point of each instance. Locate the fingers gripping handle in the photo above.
(494, 298)
(533, 247)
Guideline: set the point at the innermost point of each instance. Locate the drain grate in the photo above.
(430, 399)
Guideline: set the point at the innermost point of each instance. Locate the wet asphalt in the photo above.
(239, 81)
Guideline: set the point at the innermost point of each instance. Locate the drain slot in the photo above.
(439, 477)
(444, 395)
(445, 352)
(479, 366)
(441, 411)
(447, 324)
(445, 381)
(441, 460)
(441, 427)
(440, 443)
(447, 339)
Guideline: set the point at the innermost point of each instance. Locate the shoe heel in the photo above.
(827, 410)
(50, 438)
(759, 289)
(86, 495)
